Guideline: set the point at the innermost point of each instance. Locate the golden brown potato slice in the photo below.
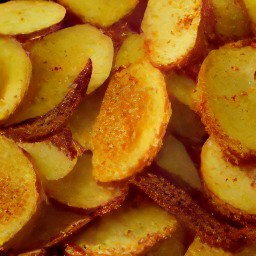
(84, 118)
(230, 184)
(172, 31)
(100, 12)
(197, 248)
(39, 128)
(131, 124)
(15, 75)
(181, 87)
(19, 190)
(53, 225)
(132, 50)
(79, 190)
(25, 17)
(226, 98)
(57, 60)
(230, 20)
(53, 159)
(130, 230)
(174, 159)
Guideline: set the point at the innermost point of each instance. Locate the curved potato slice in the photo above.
(79, 190)
(228, 21)
(15, 75)
(82, 121)
(53, 159)
(181, 87)
(226, 98)
(131, 124)
(39, 128)
(57, 60)
(130, 230)
(100, 12)
(19, 197)
(230, 184)
(172, 31)
(174, 159)
(251, 6)
(132, 50)
(25, 17)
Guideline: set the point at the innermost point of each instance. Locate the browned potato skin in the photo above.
(39, 128)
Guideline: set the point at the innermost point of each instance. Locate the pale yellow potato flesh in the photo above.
(19, 197)
(231, 184)
(83, 120)
(130, 230)
(132, 50)
(226, 98)
(232, 21)
(25, 17)
(251, 7)
(100, 12)
(57, 60)
(132, 121)
(174, 159)
(50, 161)
(78, 189)
(181, 87)
(197, 248)
(171, 29)
(15, 75)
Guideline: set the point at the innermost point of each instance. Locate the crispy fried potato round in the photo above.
(132, 121)
(172, 31)
(25, 17)
(130, 230)
(54, 157)
(226, 98)
(100, 12)
(15, 75)
(57, 60)
(230, 184)
(79, 190)
(19, 191)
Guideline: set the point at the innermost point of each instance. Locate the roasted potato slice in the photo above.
(15, 75)
(172, 31)
(131, 124)
(250, 6)
(132, 50)
(228, 21)
(82, 121)
(225, 98)
(55, 157)
(79, 190)
(230, 184)
(39, 128)
(57, 60)
(19, 190)
(130, 230)
(100, 12)
(25, 17)
(174, 159)
(181, 87)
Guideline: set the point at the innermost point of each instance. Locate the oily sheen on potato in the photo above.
(15, 75)
(138, 225)
(25, 17)
(57, 60)
(100, 12)
(226, 184)
(171, 30)
(128, 134)
(19, 197)
(225, 98)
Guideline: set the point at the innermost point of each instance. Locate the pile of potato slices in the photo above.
(127, 127)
